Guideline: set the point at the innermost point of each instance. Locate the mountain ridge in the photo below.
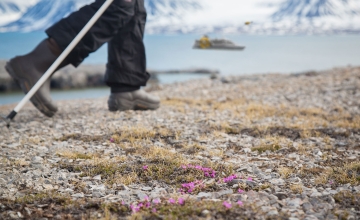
(204, 16)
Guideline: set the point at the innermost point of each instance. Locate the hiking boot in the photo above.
(28, 69)
(136, 100)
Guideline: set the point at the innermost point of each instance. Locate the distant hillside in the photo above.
(204, 16)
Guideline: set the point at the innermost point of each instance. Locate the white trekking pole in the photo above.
(58, 61)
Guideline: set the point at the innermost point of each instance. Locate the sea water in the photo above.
(263, 54)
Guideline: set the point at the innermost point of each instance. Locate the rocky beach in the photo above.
(265, 146)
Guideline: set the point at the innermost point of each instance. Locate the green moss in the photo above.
(82, 137)
(265, 148)
(348, 199)
(232, 130)
(168, 171)
(196, 210)
(42, 196)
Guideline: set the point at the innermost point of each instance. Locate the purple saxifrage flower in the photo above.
(240, 203)
(229, 178)
(157, 201)
(241, 191)
(227, 205)
(181, 201)
(172, 201)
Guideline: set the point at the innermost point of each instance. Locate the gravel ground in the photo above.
(274, 146)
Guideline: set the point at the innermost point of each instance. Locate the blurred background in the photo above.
(279, 36)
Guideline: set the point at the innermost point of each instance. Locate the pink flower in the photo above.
(331, 182)
(135, 208)
(229, 178)
(145, 167)
(181, 201)
(157, 201)
(208, 172)
(227, 205)
(147, 205)
(122, 203)
(240, 203)
(146, 198)
(172, 201)
(112, 140)
(241, 191)
(249, 179)
(191, 187)
(154, 210)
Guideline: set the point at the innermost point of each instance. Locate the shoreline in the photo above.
(257, 146)
(89, 76)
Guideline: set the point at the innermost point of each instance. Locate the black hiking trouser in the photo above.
(122, 27)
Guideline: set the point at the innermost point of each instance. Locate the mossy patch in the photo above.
(348, 200)
(133, 135)
(82, 137)
(55, 205)
(341, 173)
(75, 155)
(163, 170)
(192, 209)
(264, 148)
(52, 206)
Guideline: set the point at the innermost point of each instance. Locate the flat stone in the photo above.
(281, 195)
(352, 158)
(48, 186)
(97, 194)
(294, 203)
(279, 182)
(37, 160)
(316, 194)
(78, 195)
(205, 213)
(146, 188)
(234, 181)
(224, 192)
(270, 211)
(204, 195)
(142, 196)
(251, 183)
(247, 150)
(98, 177)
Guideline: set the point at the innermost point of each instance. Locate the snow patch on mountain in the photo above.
(11, 10)
(317, 16)
(204, 16)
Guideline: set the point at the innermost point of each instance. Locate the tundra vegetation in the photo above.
(257, 147)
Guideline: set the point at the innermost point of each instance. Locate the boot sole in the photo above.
(125, 105)
(35, 99)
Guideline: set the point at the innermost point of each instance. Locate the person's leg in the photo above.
(126, 67)
(28, 69)
(116, 17)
